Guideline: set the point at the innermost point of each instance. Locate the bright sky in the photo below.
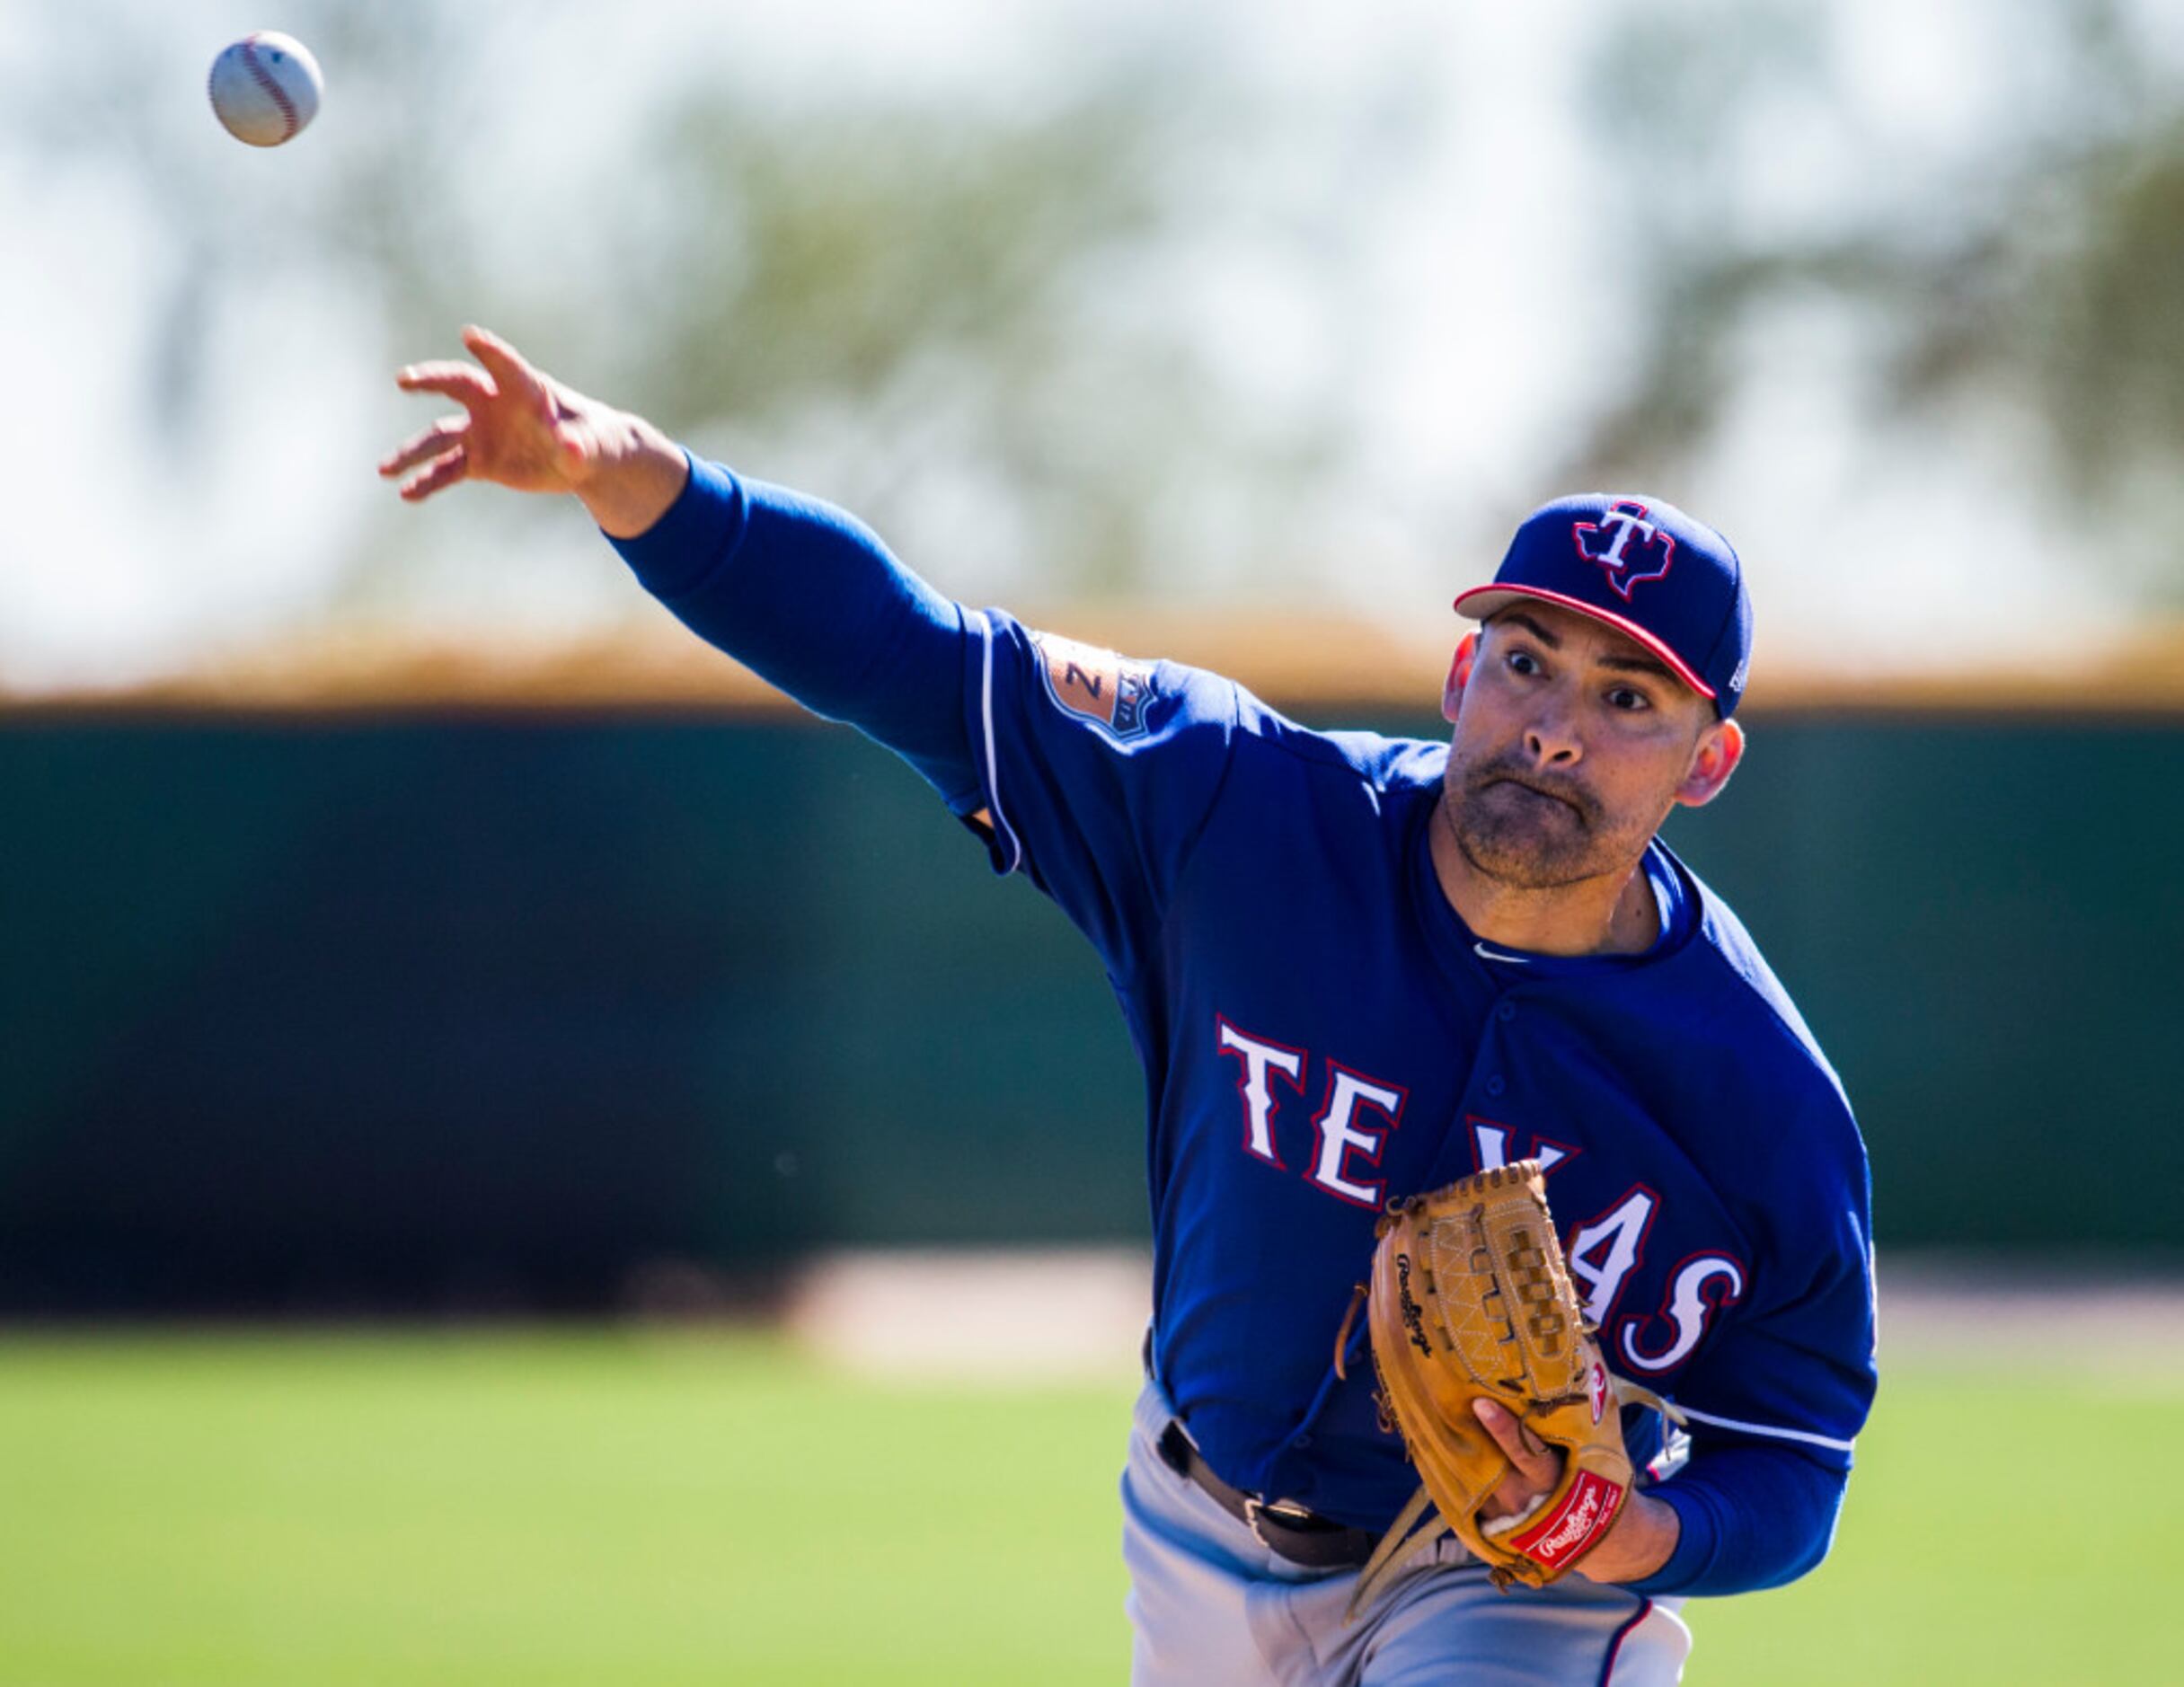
(1482, 298)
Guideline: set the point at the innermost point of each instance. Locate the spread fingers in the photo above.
(502, 361)
(424, 446)
(463, 383)
(444, 473)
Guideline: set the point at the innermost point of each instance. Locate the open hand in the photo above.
(519, 427)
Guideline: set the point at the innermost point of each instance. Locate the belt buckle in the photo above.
(1256, 1510)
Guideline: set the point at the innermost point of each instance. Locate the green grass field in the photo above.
(646, 1508)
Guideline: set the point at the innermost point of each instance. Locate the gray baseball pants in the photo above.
(1211, 1605)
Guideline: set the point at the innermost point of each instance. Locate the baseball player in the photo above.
(1357, 968)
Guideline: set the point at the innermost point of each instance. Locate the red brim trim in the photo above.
(1489, 599)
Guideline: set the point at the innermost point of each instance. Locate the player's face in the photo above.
(1572, 744)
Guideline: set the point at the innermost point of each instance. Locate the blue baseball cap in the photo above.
(1644, 568)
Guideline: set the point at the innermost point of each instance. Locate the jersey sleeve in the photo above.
(1797, 1367)
(1097, 772)
(811, 600)
(1775, 1404)
(1748, 1517)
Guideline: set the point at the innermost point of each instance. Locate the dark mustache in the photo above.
(1517, 774)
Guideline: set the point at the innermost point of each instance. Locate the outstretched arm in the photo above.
(800, 593)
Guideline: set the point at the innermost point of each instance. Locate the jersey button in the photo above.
(1303, 1438)
(1506, 1011)
(1495, 1084)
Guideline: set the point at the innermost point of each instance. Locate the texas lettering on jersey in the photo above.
(1345, 1139)
(1603, 1253)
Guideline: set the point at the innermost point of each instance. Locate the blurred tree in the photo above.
(369, 216)
(887, 293)
(940, 286)
(2040, 278)
(1019, 321)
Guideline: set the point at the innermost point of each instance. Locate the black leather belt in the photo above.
(1300, 1536)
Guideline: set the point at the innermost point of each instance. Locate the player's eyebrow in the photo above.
(1631, 664)
(1519, 618)
(1637, 665)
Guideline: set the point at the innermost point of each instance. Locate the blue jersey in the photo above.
(1320, 1033)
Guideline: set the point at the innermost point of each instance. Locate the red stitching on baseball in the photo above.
(274, 91)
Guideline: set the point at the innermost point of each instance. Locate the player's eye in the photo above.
(1629, 698)
(1523, 662)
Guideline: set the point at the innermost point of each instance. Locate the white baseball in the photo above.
(265, 88)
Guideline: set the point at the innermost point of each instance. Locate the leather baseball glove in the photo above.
(1470, 1297)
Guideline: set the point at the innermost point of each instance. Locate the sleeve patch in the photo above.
(1098, 685)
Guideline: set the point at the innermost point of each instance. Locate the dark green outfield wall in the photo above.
(318, 1015)
(1984, 925)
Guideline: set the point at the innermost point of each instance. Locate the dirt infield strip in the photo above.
(1933, 1308)
(1044, 1316)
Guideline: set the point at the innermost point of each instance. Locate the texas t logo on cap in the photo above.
(1591, 551)
(1607, 542)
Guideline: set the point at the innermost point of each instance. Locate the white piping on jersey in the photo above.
(1484, 953)
(1698, 1416)
(992, 763)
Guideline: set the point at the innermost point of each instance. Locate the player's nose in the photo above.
(1552, 741)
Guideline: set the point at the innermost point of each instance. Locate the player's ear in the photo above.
(1720, 749)
(1459, 675)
